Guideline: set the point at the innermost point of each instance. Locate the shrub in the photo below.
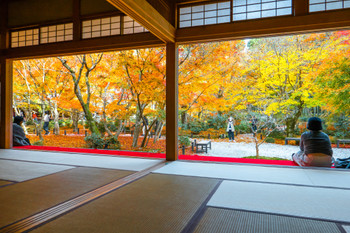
(197, 126)
(183, 132)
(243, 127)
(214, 133)
(277, 134)
(51, 125)
(184, 141)
(270, 140)
(29, 122)
(112, 143)
(95, 141)
(110, 125)
(38, 143)
(66, 122)
(341, 126)
(217, 122)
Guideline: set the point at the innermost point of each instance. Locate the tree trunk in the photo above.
(121, 127)
(184, 120)
(291, 122)
(90, 121)
(256, 146)
(143, 144)
(158, 130)
(137, 130)
(56, 118)
(75, 119)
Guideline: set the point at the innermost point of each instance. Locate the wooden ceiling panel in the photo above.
(30, 12)
(144, 13)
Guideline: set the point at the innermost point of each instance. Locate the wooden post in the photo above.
(6, 112)
(300, 7)
(171, 102)
(6, 66)
(76, 20)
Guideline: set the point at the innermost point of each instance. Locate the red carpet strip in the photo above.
(159, 155)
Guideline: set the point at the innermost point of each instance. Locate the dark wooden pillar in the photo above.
(5, 103)
(171, 102)
(76, 20)
(5, 83)
(301, 7)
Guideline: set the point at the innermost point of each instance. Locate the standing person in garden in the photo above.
(230, 129)
(19, 137)
(46, 122)
(35, 117)
(315, 146)
(254, 122)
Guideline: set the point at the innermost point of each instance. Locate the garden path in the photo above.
(241, 149)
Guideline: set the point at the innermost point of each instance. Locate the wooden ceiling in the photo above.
(158, 16)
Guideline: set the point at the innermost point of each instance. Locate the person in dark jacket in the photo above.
(315, 146)
(19, 137)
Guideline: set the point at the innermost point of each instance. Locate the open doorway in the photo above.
(110, 101)
(252, 98)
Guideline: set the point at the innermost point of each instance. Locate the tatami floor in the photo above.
(63, 192)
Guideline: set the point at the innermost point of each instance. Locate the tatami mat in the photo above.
(319, 203)
(346, 228)
(336, 178)
(21, 171)
(155, 203)
(27, 198)
(224, 220)
(285, 175)
(112, 162)
(3, 182)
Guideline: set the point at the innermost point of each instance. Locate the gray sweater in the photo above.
(315, 142)
(19, 137)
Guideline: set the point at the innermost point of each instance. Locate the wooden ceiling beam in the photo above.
(104, 44)
(316, 22)
(150, 18)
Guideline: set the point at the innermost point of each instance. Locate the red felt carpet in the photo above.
(159, 155)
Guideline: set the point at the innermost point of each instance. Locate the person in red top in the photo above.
(35, 117)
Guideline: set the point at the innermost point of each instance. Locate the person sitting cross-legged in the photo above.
(19, 137)
(315, 146)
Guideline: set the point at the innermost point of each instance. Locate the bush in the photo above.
(270, 140)
(197, 126)
(243, 127)
(213, 133)
(38, 143)
(63, 123)
(110, 125)
(184, 141)
(217, 122)
(95, 141)
(112, 143)
(341, 126)
(277, 134)
(29, 122)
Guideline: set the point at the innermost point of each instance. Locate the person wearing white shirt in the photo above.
(46, 122)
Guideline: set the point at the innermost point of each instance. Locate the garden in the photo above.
(116, 100)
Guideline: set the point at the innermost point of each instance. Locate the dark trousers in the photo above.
(46, 127)
(231, 135)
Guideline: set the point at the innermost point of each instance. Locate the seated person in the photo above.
(315, 146)
(19, 137)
